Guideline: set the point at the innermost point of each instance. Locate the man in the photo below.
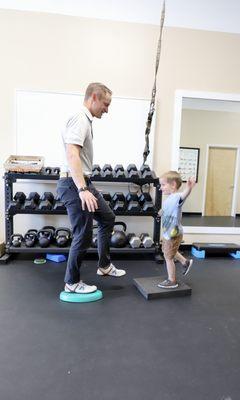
(83, 202)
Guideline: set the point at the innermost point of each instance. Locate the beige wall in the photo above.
(200, 128)
(192, 60)
(64, 53)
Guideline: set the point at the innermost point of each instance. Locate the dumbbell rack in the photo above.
(12, 177)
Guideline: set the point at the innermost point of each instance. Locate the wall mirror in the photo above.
(206, 141)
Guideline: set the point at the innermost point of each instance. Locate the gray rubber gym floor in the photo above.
(121, 347)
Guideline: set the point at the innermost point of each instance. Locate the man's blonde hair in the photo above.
(172, 176)
(98, 88)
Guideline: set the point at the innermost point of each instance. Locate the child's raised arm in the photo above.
(190, 184)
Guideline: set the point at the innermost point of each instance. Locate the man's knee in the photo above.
(112, 220)
(107, 222)
(81, 241)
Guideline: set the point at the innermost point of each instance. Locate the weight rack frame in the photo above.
(12, 177)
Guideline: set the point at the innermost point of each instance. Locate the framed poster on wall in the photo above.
(188, 162)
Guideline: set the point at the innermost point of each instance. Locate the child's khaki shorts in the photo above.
(171, 246)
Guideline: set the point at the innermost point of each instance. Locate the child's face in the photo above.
(167, 187)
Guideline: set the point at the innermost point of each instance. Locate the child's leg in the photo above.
(168, 247)
(171, 269)
(171, 282)
(186, 264)
(180, 258)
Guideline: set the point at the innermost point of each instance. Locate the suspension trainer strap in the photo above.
(152, 104)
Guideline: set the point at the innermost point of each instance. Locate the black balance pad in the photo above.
(149, 289)
(217, 248)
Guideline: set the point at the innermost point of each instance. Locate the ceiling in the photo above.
(212, 15)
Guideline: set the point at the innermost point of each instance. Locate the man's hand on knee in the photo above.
(88, 200)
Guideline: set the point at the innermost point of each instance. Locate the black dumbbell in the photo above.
(18, 200)
(131, 167)
(46, 236)
(59, 205)
(134, 241)
(47, 200)
(144, 197)
(146, 202)
(32, 201)
(146, 171)
(30, 237)
(62, 236)
(131, 197)
(133, 171)
(119, 171)
(96, 170)
(148, 206)
(134, 207)
(107, 197)
(16, 239)
(48, 170)
(146, 240)
(132, 202)
(56, 171)
(107, 171)
(118, 202)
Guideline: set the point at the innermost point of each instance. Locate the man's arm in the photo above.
(75, 166)
(190, 184)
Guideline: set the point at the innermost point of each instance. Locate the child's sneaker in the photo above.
(187, 266)
(80, 287)
(111, 271)
(167, 284)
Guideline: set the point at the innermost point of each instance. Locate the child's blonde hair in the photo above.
(172, 176)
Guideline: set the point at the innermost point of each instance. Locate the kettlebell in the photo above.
(30, 237)
(94, 237)
(16, 239)
(119, 238)
(62, 236)
(45, 236)
(51, 229)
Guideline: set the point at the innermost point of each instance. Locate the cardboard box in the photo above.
(2, 249)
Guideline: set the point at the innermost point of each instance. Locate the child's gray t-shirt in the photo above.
(172, 215)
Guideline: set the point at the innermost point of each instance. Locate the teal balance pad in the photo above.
(81, 298)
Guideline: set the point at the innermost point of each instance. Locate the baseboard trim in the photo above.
(192, 214)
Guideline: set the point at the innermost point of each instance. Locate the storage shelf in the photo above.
(64, 212)
(59, 250)
(13, 176)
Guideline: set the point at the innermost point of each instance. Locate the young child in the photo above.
(171, 214)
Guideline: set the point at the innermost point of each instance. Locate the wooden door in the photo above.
(220, 181)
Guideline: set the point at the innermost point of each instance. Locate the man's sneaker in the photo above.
(187, 266)
(80, 287)
(111, 271)
(167, 284)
